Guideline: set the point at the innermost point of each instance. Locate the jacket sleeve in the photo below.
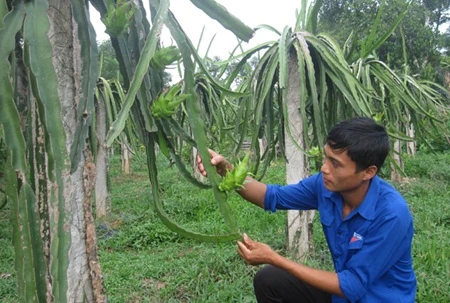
(300, 196)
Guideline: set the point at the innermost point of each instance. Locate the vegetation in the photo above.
(108, 61)
(50, 160)
(419, 30)
(50, 171)
(3, 200)
(143, 261)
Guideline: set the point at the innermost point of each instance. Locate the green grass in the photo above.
(7, 272)
(429, 199)
(143, 261)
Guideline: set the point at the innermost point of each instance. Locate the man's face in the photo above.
(339, 171)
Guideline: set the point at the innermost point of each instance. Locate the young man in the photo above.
(366, 222)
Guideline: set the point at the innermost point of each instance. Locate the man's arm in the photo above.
(256, 253)
(320, 279)
(253, 191)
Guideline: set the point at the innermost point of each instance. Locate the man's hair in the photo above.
(366, 142)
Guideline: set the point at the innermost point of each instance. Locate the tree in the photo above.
(48, 74)
(49, 172)
(439, 13)
(419, 27)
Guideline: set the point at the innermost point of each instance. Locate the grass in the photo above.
(429, 199)
(143, 261)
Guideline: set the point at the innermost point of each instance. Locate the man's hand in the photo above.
(217, 160)
(255, 253)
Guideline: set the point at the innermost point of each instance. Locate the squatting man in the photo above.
(367, 225)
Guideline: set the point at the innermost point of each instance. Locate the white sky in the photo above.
(277, 14)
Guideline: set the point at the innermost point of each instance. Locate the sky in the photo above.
(277, 14)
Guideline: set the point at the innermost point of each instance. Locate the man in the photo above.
(366, 222)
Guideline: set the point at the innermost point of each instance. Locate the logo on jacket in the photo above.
(356, 237)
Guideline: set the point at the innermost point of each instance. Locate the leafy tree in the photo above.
(439, 13)
(108, 61)
(419, 28)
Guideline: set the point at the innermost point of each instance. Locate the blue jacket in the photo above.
(371, 247)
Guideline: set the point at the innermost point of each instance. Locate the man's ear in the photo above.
(370, 172)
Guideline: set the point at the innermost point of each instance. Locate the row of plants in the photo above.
(176, 269)
(34, 61)
(143, 261)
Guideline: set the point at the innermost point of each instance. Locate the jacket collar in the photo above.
(367, 208)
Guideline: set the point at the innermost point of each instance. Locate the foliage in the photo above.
(434, 166)
(110, 68)
(355, 19)
(439, 13)
(224, 69)
(335, 83)
(427, 195)
(3, 158)
(142, 80)
(331, 89)
(46, 146)
(108, 61)
(2, 154)
(436, 141)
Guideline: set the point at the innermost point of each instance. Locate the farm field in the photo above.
(143, 261)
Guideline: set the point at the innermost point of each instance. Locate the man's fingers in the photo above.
(212, 153)
(247, 241)
(242, 249)
(241, 245)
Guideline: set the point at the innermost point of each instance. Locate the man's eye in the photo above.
(334, 163)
